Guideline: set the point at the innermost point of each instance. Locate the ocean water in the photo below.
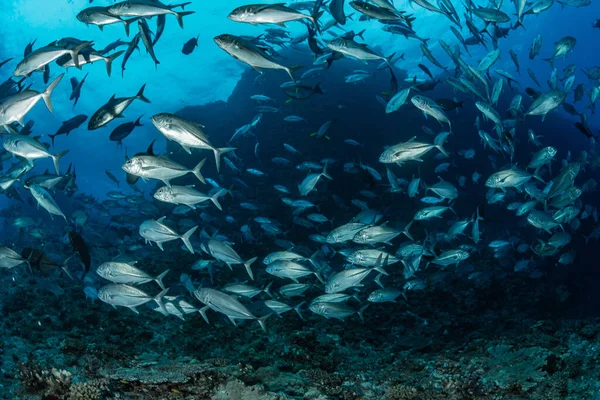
(327, 245)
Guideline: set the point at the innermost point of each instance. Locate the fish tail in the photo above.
(361, 312)
(261, 322)
(441, 148)
(215, 199)
(64, 265)
(57, 157)
(298, 309)
(196, 171)
(127, 23)
(267, 289)
(140, 94)
(219, 152)
(109, 60)
(46, 93)
(291, 70)
(158, 300)
(160, 278)
(389, 58)
(76, 50)
(186, 238)
(551, 61)
(325, 174)
(202, 312)
(248, 264)
(406, 232)
(52, 138)
(180, 15)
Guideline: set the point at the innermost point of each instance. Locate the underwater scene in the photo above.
(324, 199)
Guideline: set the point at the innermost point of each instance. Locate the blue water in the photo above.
(448, 330)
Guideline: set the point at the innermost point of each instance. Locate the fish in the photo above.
(100, 16)
(31, 149)
(15, 107)
(277, 14)
(188, 134)
(129, 296)
(186, 195)
(146, 37)
(248, 53)
(76, 89)
(146, 10)
(81, 249)
(562, 48)
(37, 60)
(128, 273)
(11, 259)
(113, 109)
(156, 231)
(227, 305)
(190, 45)
(310, 182)
(153, 167)
(430, 107)
(546, 103)
(361, 52)
(408, 151)
(124, 130)
(226, 254)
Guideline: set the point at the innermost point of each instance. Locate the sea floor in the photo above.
(490, 340)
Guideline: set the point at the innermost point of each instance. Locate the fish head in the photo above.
(203, 295)
(104, 295)
(493, 181)
(132, 166)
(84, 16)
(241, 14)
(317, 308)
(225, 41)
(103, 270)
(419, 101)
(165, 194)
(10, 143)
(162, 120)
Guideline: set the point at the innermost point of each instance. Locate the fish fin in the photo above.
(160, 278)
(180, 15)
(247, 264)
(291, 70)
(202, 312)
(140, 94)
(76, 50)
(46, 93)
(219, 152)
(298, 309)
(361, 312)
(160, 246)
(57, 157)
(133, 309)
(186, 238)
(261, 321)
(158, 300)
(215, 199)
(109, 60)
(197, 173)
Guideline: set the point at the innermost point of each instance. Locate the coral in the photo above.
(172, 372)
(52, 382)
(401, 392)
(516, 368)
(236, 390)
(91, 390)
(217, 362)
(73, 346)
